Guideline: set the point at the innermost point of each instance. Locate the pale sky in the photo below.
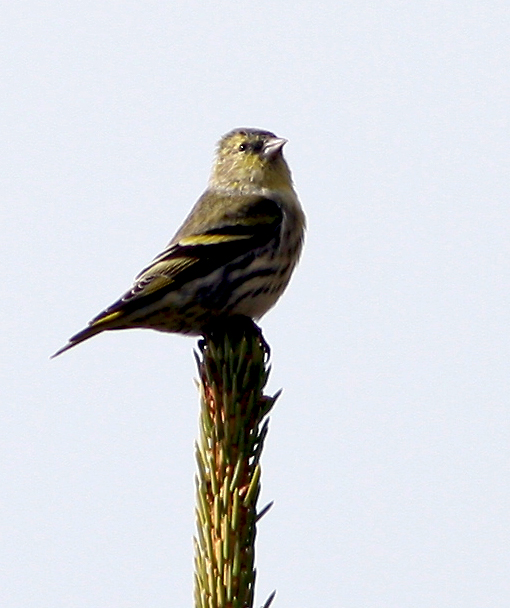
(388, 456)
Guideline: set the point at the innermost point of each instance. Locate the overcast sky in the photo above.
(389, 449)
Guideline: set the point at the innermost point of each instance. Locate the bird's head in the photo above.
(250, 159)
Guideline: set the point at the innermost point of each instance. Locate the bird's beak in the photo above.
(273, 146)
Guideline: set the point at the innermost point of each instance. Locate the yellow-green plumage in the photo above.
(233, 255)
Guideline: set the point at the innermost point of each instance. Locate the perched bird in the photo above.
(233, 255)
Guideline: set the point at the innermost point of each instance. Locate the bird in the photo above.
(232, 257)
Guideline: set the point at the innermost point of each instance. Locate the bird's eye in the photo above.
(243, 147)
(258, 145)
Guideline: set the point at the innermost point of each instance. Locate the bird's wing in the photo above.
(255, 222)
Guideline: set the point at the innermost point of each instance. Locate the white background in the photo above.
(388, 453)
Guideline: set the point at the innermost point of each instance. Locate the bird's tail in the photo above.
(81, 336)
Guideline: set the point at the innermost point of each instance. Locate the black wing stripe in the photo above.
(212, 256)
